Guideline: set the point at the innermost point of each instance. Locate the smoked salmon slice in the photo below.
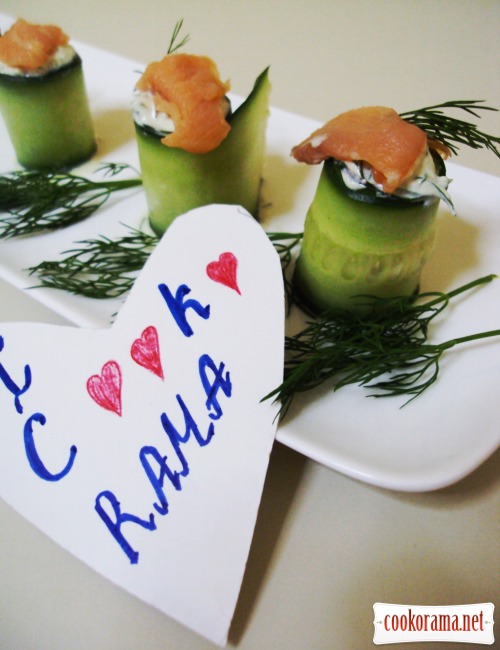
(374, 134)
(28, 46)
(189, 90)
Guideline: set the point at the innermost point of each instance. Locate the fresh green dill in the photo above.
(38, 201)
(173, 46)
(106, 268)
(100, 268)
(452, 131)
(386, 351)
(339, 346)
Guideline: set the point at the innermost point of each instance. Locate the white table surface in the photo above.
(326, 547)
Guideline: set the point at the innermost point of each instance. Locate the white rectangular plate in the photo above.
(432, 442)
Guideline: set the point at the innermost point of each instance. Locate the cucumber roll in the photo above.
(371, 225)
(193, 149)
(43, 99)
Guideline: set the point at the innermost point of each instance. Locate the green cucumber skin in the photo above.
(176, 181)
(48, 118)
(352, 248)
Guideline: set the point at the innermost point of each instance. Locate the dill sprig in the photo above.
(101, 268)
(339, 346)
(37, 201)
(452, 131)
(173, 46)
(106, 268)
(390, 343)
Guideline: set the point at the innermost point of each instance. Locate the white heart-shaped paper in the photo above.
(142, 449)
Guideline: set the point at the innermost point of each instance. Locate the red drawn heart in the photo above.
(146, 351)
(106, 389)
(224, 271)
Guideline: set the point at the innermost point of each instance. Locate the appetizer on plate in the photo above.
(371, 225)
(43, 98)
(193, 149)
(368, 232)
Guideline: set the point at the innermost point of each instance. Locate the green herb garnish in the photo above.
(104, 268)
(101, 268)
(452, 131)
(345, 348)
(340, 346)
(173, 46)
(38, 201)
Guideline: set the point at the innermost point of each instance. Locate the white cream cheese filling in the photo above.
(145, 113)
(424, 183)
(62, 56)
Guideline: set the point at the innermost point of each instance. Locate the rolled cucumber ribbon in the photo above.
(48, 117)
(356, 244)
(176, 181)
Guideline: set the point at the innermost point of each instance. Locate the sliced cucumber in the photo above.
(48, 117)
(357, 247)
(176, 181)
